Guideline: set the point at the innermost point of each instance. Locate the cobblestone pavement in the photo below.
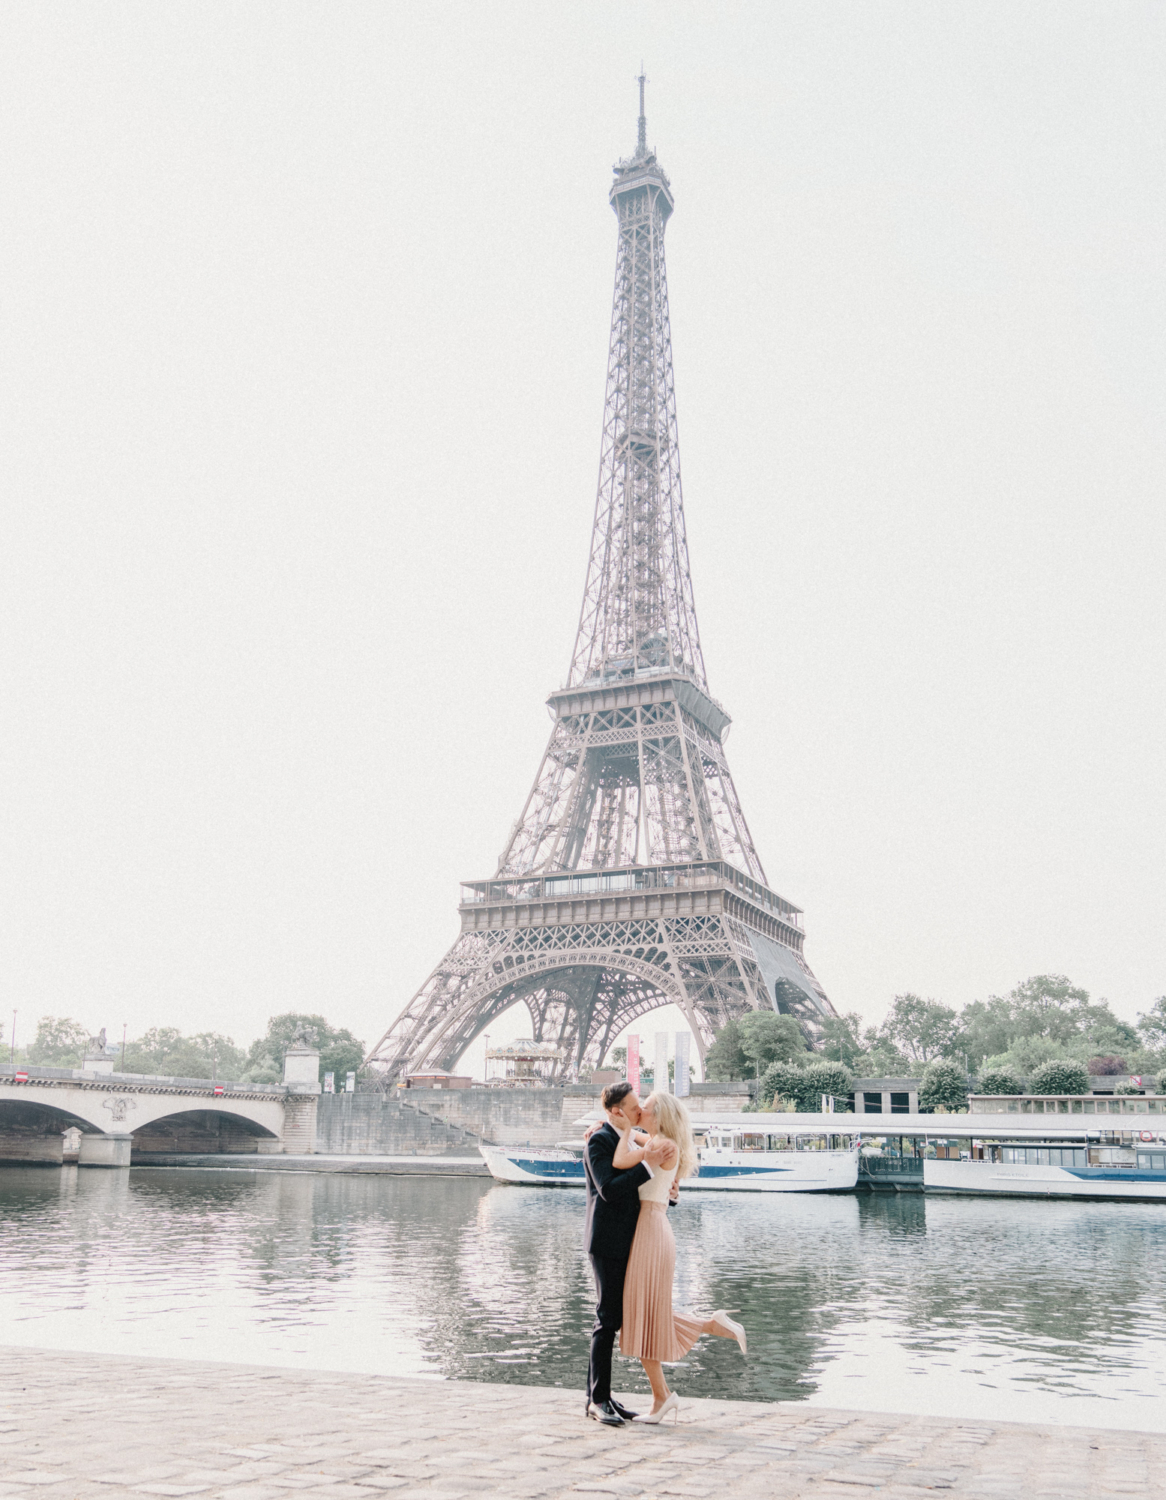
(76, 1426)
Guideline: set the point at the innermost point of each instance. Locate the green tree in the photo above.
(148, 1053)
(1001, 1081)
(944, 1085)
(1152, 1023)
(824, 1077)
(766, 1037)
(781, 1080)
(804, 1086)
(1050, 1005)
(59, 1043)
(617, 1058)
(841, 1039)
(882, 1059)
(1061, 1076)
(164, 1050)
(923, 1029)
(726, 1059)
(987, 1027)
(1026, 1054)
(340, 1052)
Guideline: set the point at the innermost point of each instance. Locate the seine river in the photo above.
(1020, 1309)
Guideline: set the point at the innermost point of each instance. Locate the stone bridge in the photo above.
(109, 1116)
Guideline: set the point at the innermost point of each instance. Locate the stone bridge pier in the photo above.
(126, 1117)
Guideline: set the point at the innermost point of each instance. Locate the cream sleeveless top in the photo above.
(658, 1187)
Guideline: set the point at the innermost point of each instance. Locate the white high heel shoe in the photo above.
(671, 1404)
(722, 1317)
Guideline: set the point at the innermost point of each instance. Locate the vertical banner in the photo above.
(682, 1040)
(660, 1072)
(634, 1062)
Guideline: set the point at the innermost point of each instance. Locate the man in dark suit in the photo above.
(613, 1206)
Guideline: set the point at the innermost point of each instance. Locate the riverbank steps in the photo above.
(95, 1427)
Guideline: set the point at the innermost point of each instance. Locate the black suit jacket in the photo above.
(613, 1199)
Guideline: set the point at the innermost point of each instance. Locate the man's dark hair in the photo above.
(615, 1094)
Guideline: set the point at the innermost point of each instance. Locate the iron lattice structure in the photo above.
(631, 879)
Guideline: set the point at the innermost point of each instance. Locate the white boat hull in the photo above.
(985, 1178)
(725, 1172)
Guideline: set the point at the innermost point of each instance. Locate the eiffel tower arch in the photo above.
(630, 881)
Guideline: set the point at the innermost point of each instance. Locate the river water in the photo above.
(1019, 1309)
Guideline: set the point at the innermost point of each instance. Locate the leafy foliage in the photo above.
(1061, 1076)
(944, 1085)
(1105, 1067)
(59, 1043)
(1152, 1023)
(164, 1050)
(806, 1085)
(1000, 1081)
(1044, 1018)
(842, 1039)
(340, 1052)
(726, 1058)
(923, 1029)
(765, 1037)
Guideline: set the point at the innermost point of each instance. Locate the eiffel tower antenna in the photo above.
(630, 881)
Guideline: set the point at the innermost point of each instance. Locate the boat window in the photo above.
(1152, 1161)
(1043, 1156)
(811, 1143)
(779, 1143)
(751, 1143)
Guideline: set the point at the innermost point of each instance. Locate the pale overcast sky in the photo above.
(304, 325)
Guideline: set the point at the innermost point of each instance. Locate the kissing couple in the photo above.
(632, 1164)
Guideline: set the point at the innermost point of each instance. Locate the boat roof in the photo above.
(943, 1127)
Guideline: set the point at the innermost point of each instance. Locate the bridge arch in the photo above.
(204, 1130)
(32, 1131)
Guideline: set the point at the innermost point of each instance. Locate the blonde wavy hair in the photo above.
(672, 1120)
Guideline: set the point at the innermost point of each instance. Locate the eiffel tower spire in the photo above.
(631, 880)
(638, 614)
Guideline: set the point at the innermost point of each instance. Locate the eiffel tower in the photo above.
(630, 880)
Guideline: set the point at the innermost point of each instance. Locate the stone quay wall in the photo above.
(432, 1122)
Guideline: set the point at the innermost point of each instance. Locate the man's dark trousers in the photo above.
(609, 1279)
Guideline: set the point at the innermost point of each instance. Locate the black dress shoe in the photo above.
(605, 1412)
(627, 1415)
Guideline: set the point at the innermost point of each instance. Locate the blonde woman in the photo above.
(651, 1331)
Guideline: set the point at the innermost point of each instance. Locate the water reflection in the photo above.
(1050, 1311)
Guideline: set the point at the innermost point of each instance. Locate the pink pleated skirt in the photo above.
(651, 1330)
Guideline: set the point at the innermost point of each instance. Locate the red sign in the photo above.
(1136, 1080)
(218, 1088)
(22, 1077)
(634, 1062)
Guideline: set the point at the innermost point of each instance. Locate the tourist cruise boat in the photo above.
(1083, 1168)
(751, 1157)
(1078, 1149)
